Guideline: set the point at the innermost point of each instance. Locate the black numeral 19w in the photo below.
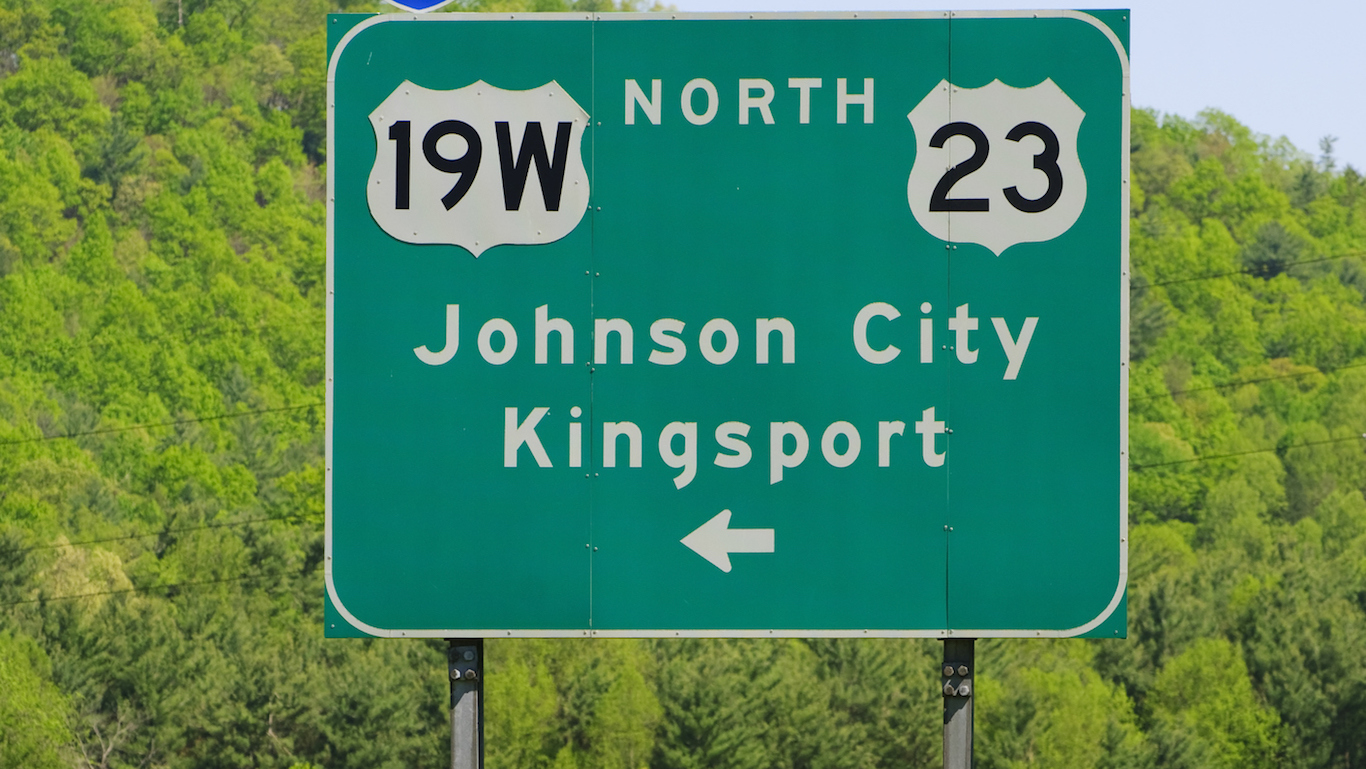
(550, 167)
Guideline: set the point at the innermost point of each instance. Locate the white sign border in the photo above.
(1120, 587)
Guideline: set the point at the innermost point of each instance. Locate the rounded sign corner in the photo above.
(345, 613)
(351, 35)
(1121, 49)
(1121, 588)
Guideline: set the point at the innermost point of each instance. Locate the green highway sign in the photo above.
(736, 325)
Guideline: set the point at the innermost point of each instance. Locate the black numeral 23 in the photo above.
(1046, 161)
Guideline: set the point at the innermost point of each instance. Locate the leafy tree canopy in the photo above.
(161, 384)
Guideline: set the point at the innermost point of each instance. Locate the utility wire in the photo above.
(82, 543)
(1248, 381)
(238, 578)
(1245, 271)
(1245, 453)
(177, 422)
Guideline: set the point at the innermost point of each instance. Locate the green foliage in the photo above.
(162, 257)
(798, 704)
(33, 728)
(1203, 698)
(1048, 708)
(1246, 571)
(570, 704)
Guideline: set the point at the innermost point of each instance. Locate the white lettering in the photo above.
(1014, 348)
(929, 428)
(687, 461)
(855, 443)
(545, 326)
(760, 102)
(575, 439)
(452, 340)
(866, 351)
(514, 435)
(885, 431)
(926, 335)
(804, 86)
(613, 430)
(710, 90)
(726, 438)
(602, 327)
(962, 325)
(764, 328)
(636, 97)
(778, 459)
(502, 327)
(843, 99)
(659, 334)
(707, 337)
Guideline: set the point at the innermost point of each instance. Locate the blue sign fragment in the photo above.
(418, 6)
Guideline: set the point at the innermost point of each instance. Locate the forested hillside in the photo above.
(161, 421)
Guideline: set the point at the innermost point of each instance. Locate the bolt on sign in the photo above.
(727, 325)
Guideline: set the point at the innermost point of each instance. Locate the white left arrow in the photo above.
(715, 540)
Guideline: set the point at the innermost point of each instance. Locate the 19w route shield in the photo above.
(793, 325)
(478, 166)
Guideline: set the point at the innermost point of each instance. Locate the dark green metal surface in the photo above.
(430, 534)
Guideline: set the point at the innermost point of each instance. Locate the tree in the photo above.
(33, 713)
(1204, 694)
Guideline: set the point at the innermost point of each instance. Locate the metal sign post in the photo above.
(465, 663)
(958, 692)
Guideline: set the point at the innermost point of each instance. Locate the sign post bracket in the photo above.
(958, 691)
(465, 664)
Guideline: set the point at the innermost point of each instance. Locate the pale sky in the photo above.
(1283, 69)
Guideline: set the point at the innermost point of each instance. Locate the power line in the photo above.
(1244, 271)
(1250, 451)
(238, 578)
(1248, 381)
(104, 430)
(222, 525)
